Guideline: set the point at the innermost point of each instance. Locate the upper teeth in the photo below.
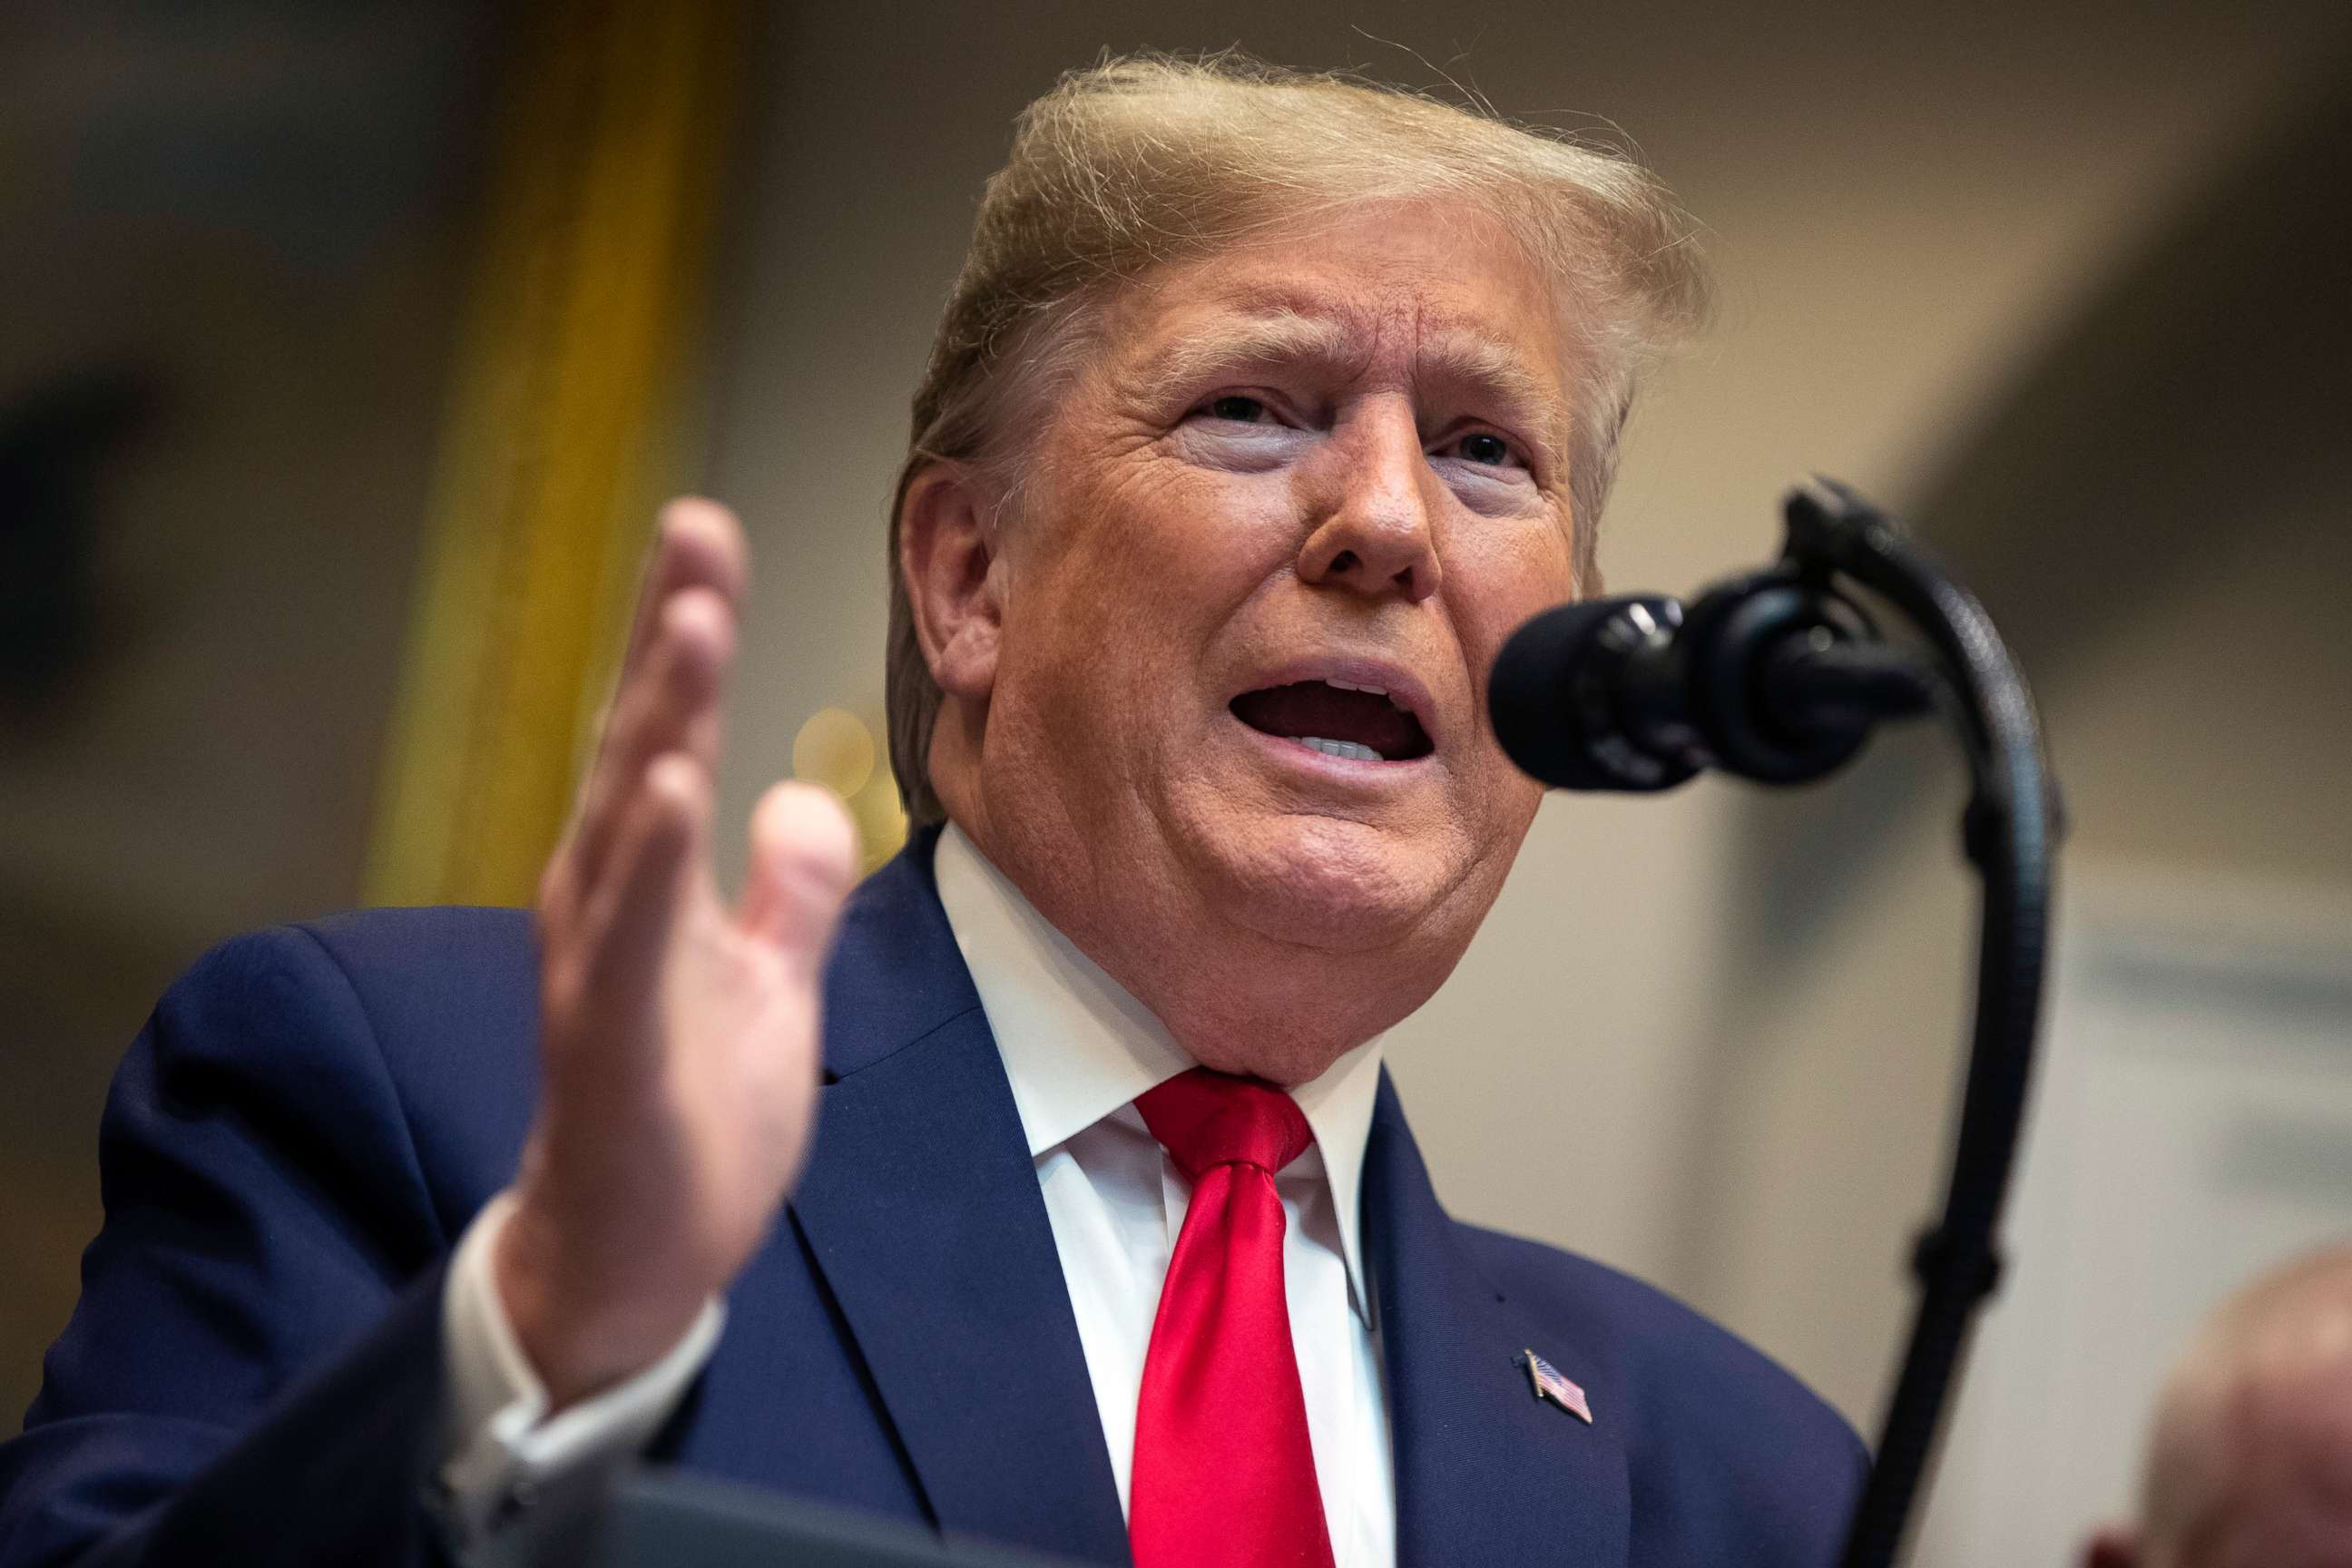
(1375, 691)
(1354, 749)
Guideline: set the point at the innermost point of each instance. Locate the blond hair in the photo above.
(1150, 159)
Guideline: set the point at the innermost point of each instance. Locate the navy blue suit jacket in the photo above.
(314, 1113)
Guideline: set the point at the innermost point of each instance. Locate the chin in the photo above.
(1331, 883)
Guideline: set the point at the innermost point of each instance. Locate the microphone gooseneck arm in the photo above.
(1779, 675)
(2009, 831)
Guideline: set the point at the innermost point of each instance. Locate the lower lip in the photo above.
(1324, 765)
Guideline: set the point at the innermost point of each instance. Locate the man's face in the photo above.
(1292, 478)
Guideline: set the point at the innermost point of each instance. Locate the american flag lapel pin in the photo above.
(1548, 1383)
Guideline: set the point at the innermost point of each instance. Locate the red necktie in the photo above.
(1224, 1475)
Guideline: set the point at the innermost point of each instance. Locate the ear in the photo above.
(2115, 1546)
(947, 556)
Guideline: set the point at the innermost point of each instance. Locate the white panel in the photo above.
(2193, 1128)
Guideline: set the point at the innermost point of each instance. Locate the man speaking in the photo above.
(1049, 1187)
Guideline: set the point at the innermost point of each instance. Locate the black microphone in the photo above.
(1767, 676)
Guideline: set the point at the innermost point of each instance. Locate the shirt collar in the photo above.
(1076, 1046)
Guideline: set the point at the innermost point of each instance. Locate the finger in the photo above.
(671, 703)
(803, 861)
(697, 543)
(658, 857)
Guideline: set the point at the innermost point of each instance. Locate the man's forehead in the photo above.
(1303, 313)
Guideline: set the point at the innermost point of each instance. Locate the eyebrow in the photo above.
(1463, 358)
(1280, 336)
(1491, 367)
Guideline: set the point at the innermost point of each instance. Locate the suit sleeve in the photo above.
(252, 1373)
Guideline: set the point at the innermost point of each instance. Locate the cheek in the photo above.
(1214, 527)
(1504, 580)
(1509, 577)
(1178, 550)
(1138, 574)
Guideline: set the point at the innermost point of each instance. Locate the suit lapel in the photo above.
(1484, 1472)
(922, 1209)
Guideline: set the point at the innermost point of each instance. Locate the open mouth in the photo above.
(1360, 723)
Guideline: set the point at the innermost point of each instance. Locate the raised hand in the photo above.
(679, 1038)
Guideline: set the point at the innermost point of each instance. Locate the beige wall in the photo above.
(1908, 206)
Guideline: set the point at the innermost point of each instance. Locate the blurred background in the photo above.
(346, 348)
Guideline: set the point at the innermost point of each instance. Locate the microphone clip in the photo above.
(1783, 678)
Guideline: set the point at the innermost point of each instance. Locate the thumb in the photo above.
(803, 862)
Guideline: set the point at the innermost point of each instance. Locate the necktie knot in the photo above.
(1206, 1119)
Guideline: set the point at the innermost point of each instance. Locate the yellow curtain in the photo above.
(566, 400)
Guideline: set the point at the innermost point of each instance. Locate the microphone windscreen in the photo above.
(1531, 694)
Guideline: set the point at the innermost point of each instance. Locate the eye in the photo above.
(1236, 409)
(1483, 447)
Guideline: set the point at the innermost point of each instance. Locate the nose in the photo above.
(1375, 504)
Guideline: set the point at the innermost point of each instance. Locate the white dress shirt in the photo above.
(1077, 1050)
